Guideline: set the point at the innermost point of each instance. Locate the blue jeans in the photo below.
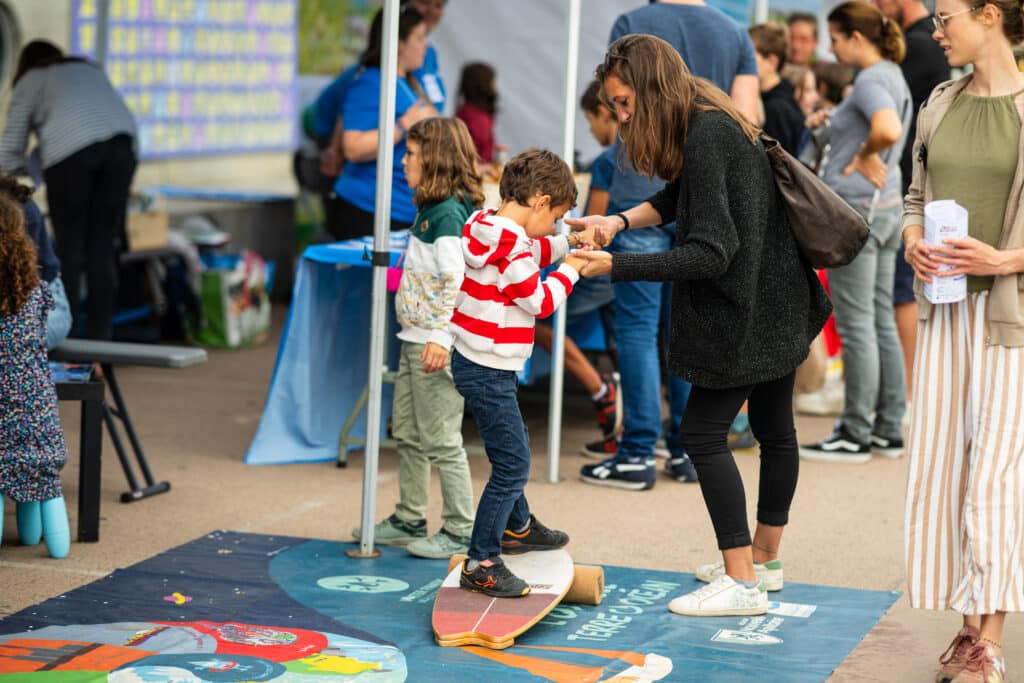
(639, 307)
(58, 320)
(491, 395)
(872, 355)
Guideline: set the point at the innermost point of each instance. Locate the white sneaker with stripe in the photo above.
(723, 597)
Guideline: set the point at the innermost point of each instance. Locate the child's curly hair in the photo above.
(19, 274)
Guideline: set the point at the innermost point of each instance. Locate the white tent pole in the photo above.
(760, 11)
(572, 56)
(381, 260)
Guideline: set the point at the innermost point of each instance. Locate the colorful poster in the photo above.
(201, 76)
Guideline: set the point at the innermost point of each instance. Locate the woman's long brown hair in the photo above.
(19, 274)
(666, 94)
(448, 161)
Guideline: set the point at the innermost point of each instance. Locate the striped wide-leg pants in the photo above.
(965, 491)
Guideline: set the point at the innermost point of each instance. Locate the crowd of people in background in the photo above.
(853, 120)
(685, 253)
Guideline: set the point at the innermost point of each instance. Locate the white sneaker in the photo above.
(825, 401)
(769, 572)
(723, 597)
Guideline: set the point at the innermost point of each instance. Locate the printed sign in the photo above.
(201, 76)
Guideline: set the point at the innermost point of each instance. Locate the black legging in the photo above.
(705, 433)
(88, 196)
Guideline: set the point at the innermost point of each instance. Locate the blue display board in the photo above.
(201, 76)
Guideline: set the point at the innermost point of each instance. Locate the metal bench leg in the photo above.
(120, 410)
(344, 440)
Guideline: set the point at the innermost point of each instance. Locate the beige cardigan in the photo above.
(1005, 314)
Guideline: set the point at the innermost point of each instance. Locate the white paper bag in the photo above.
(945, 219)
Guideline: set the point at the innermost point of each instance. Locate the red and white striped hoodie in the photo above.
(502, 293)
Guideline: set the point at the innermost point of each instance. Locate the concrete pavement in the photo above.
(845, 528)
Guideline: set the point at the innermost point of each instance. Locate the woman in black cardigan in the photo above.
(745, 303)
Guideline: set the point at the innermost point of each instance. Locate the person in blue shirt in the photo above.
(429, 74)
(356, 188)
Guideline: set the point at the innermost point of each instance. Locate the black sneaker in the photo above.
(839, 447)
(496, 580)
(634, 474)
(680, 468)
(601, 450)
(536, 537)
(609, 406)
(890, 448)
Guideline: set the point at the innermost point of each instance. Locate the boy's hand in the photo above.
(602, 228)
(575, 262)
(434, 357)
(594, 262)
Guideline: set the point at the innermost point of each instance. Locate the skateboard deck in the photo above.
(465, 617)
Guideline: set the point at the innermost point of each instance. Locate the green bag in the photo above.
(235, 304)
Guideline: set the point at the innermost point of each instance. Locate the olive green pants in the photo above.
(426, 419)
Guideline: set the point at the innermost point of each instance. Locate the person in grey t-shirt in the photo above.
(867, 133)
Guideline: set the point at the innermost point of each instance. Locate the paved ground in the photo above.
(846, 523)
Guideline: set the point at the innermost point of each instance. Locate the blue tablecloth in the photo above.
(322, 359)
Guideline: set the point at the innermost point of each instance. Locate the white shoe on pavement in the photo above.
(825, 401)
(723, 597)
(770, 573)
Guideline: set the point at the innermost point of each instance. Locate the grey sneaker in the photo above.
(393, 531)
(440, 546)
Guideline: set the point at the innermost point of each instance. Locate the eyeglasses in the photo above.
(939, 20)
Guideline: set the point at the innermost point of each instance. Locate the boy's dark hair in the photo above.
(476, 86)
(805, 17)
(591, 101)
(834, 77)
(11, 187)
(768, 40)
(538, 171)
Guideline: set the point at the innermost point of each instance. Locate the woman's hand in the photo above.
(870, 166)
(434, 357)
(594, 262)
(603, 228)
(971, 257)
(918, 256)
(414, 114)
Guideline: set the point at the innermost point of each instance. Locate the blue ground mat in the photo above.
(250, 607)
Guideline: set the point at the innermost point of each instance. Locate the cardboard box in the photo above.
(147, 230)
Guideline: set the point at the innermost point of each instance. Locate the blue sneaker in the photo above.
(635, 474)
(680, 468)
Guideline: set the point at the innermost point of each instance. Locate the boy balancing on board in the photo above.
(502, 295)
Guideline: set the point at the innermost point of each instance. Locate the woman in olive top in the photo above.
(965, 494)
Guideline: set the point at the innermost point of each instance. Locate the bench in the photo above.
(110, 355)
